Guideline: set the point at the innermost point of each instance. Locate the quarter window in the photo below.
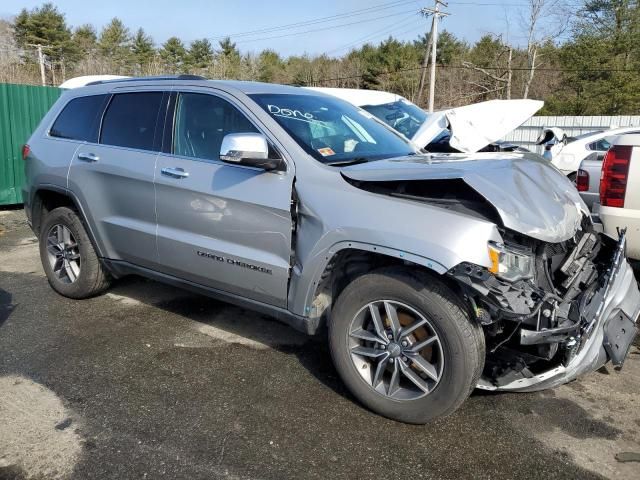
(201, 123)
(601, 145)
(130, 120)
(80, 118)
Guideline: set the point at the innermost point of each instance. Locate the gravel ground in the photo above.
(148, 381)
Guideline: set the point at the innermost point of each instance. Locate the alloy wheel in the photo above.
(63, 254)
(396, 350)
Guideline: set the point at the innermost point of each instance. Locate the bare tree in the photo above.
(497, 73)
(544, 21)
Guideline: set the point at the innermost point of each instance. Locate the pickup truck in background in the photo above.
(620, 191)
(588, 180)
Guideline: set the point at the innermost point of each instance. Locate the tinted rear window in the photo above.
(80, 118)
(130, 120)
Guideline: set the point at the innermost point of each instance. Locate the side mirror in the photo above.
(249, 149)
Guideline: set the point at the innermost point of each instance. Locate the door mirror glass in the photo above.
(250, 149)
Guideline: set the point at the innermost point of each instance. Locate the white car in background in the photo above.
(620, 191)
(468, 129)
(566, 153)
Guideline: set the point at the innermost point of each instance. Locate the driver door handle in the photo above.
(88, 157)
(174, 172)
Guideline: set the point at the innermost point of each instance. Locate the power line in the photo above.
(353, 13)
(322, 29)
(489, 4)
(371, 36)
(502, 4)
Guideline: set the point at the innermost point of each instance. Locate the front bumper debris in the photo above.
(612, 316)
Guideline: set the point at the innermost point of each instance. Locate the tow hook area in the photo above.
(619, 333)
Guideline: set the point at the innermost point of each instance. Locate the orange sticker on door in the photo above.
(326, 152)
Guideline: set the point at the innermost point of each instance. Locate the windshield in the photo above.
(333, 131)
(402, 116)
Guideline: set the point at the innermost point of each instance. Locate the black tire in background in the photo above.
(462, 342)
(92, 279)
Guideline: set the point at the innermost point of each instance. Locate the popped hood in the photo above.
(477, 125)
(530, 195)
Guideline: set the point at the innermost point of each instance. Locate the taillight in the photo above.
(613, 182)
(26, 150)
(582, 181)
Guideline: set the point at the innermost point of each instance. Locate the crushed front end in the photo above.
(552, 311)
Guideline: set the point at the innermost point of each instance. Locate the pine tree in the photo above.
(85, 39)
(44, 26)
(173, 55)
(142, 50)
(270, 66)
(602, 59)
(114, 46)
(200, 54)
(229, 57)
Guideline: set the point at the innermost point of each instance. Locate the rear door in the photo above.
(114, 176)
(220, 225)
(77, 123)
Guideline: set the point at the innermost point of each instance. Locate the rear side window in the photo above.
(130, 120)
(80, 118)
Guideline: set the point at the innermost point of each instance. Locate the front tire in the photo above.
(68, 257)
(405, 346)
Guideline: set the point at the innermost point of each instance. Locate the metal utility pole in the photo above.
(436, 14)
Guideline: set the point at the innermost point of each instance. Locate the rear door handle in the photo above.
(88, 157)
(174, 172)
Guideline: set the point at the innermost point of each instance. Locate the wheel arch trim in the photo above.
(314, 281)
(44, 187)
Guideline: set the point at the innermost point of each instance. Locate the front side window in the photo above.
(131, 119)
(80, 118)
(403, 116)
(331, 130)
(202, 121)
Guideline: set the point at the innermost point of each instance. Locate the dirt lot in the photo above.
(149, 381)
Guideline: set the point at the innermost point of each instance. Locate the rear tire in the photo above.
(449, 368)
(68, 257)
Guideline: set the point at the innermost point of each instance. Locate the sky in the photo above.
(352, 22)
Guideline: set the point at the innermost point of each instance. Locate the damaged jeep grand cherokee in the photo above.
(434, 273)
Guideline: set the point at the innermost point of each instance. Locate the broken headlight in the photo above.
(510, 263)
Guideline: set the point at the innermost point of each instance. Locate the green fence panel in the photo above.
(21, 109)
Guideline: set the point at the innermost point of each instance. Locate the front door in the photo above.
(114, 177)
(220, 225)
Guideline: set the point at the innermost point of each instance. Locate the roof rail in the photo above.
(142, 79)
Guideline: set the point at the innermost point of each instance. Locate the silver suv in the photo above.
(435, 274)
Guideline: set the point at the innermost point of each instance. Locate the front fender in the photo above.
(333, 215)
(435, 256)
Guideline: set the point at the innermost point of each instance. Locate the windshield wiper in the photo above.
(351, 161)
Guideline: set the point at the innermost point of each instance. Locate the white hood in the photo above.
(478, 125)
